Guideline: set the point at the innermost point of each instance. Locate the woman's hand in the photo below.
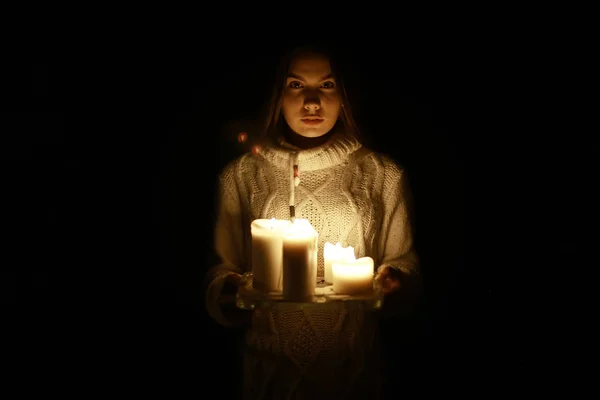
(389, 279)
(233, 282)
(401, 292)
(227, 300)
(234, 279)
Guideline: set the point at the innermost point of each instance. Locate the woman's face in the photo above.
(311, 102)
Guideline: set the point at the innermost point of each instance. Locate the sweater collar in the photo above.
(332, 153)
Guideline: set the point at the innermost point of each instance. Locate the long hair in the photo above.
(272, 124)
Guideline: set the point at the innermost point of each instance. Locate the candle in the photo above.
(299, 261)
(353, 277)
(332, 253)
(267, 253)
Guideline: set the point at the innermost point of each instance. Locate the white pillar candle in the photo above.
(299, 261)
(267, 253)
(332, 253)
(353, 277)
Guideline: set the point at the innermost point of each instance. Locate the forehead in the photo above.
(310, 65)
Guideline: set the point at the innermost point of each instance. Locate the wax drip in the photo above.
(294, 181)
(296, 176)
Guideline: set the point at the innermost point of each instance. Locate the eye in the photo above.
(328, 85)
(295, 85)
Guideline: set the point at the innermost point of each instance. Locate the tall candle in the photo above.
(299, 261)
(267, 253)
(353, 277)
(332, 253)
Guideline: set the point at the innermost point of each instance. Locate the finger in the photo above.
(390, 285)
(383, 274)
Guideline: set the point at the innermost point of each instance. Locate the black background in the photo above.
(110, 166)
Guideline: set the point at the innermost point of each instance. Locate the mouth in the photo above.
(312, 121)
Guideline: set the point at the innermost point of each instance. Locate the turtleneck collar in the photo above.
(305, 143)
(335, 151)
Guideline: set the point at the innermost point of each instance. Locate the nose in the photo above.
(312, 103)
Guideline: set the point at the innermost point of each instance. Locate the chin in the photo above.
(311, 132)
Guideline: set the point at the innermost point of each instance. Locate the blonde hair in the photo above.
(272, 119)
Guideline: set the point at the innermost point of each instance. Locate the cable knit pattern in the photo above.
(350, 195)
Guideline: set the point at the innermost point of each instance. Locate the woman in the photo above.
(350, 195)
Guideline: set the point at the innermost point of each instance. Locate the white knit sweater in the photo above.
(350, 195)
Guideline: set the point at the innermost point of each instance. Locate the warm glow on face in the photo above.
(311, 102)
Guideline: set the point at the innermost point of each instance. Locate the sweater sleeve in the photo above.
(396, 240)
(228, 242)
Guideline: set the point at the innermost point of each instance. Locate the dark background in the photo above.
(110, 170)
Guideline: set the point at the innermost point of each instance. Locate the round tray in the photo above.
(248, 298)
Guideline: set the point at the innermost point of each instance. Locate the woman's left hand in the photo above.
(388, 278)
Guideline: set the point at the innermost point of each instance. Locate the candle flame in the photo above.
(272, 224)
(300, 226)
(339, 252)
(302, 223)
